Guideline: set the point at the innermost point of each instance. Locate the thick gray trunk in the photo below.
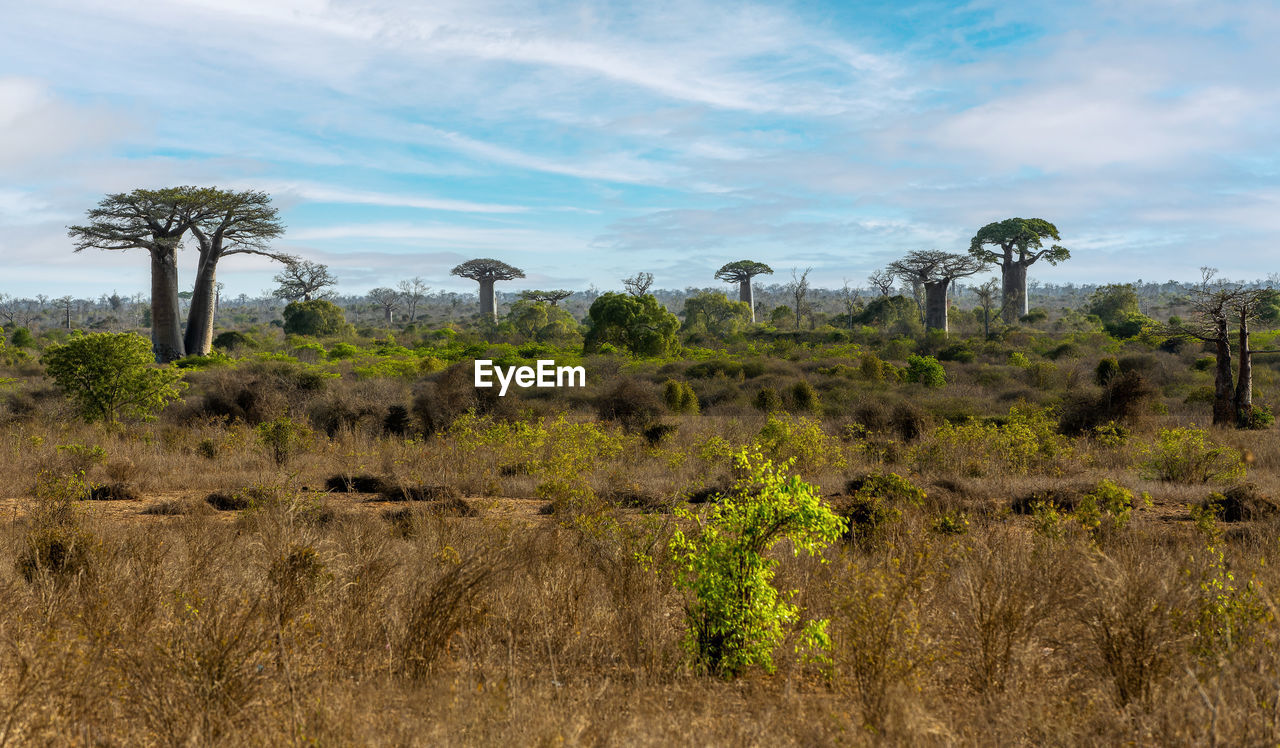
(1244, 382)
(1224, 411)
(387, 318)
(199, 335)
(166, 317)
(745, 294)
(935, 306)
(488, 300)
(1013, 291)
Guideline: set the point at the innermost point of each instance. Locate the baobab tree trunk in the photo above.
(935, 306)
(488, 299)
(1244, 382)
(199, 334)
(745, 294)
(1013, 288)
(1224, 411)
(387, 317)
(166, 319)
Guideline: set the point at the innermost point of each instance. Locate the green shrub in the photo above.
(283, 438)
(317, 317)
(1188, 455)
(804, 397)
(925, 370)
(736, 617)
(110, 376)
(679, 397)
(768, 400)
(1104, 509)
(801, 440)
(22, 338)
(1106, 370)
(876, 502)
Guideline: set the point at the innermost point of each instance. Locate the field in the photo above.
(340, 540)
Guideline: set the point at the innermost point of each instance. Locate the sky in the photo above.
(586, 141)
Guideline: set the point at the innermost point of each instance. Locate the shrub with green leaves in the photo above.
(1105, 509)
(736, 617)
(110, 376)
(679, 397)
(877, 502)
(283, 438)
(925, 370)
(1188, 455)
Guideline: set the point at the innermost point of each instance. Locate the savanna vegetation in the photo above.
(863, 517)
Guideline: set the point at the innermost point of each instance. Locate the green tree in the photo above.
(316, 317)
(1016, 244)
(714, 314)
(110, 376)
(736, 616)
(542, 321)
(639, 324)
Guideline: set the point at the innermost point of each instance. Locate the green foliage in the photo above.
(876, 503)
(541, 322)
(1019, 359)
(318, 317)
(925, 370)
(1104, 509)
(800, 440)
(736, 617)
(340, 351)
(232, 339)
(22, 338)
(1188, 455)
(804, 397)
(768, 400)
(1027, 439)
(951, 523)
(1225, 612)
(1107, 369)
(679, 397)
(714, 314)
(283, 438)
(1114, 302)
(639, 324)
(900, 314)
(110, 376)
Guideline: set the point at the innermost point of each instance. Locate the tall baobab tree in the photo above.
(741, 272)
(1015, 244)
(487, 271)
(243, 223)
(387, 298)
(154, 220)
(935, 271)
(551, 297)
(303, 280)
(638, 284)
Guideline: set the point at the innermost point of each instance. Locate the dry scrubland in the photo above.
(501, 575)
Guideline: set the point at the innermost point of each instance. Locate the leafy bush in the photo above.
(640, 324)
(679, 397)
(317, 317)
(1104, 509)
(1026, 440)
(804, 397)
(283, 438)
(1188, 455)
(736, 617)
(925, 370)
(112, 375)
(768, 400)
(630, 403)
(800, 440)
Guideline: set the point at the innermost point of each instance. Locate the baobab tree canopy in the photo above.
(483, 269)
(1015, 244)
(736, 272)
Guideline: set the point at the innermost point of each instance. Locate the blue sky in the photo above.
(585, 141)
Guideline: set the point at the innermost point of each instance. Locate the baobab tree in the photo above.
(638, 284)
(154, 220)
(487, 271)
(741, 272)
(243, 224)
(1015, 244)
(303, 280)
(935, 271)
(1211, 313)
(550, 297)
(387, 298)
